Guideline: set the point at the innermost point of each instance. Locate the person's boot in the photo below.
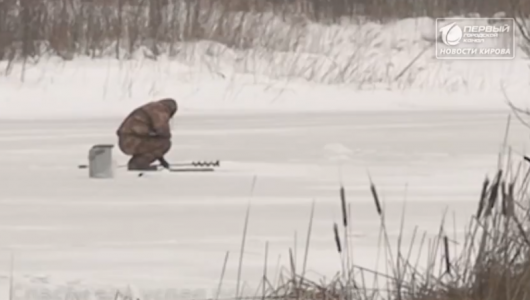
(136, 164)
(142, 168)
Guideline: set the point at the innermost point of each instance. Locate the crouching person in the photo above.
(146, 134)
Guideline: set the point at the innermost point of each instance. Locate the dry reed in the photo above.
(493, 262)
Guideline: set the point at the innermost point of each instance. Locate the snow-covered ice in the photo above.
(173, 230)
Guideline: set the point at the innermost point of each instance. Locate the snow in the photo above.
(88, 89)
(171, 231)
(287, 117)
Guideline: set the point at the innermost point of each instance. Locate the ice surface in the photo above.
(173, 230)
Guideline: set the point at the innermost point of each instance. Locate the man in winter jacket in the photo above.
(146, 134)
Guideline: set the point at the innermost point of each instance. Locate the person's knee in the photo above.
(128, 145)
(138, 161)
(162, 147)
(141, 161)
(153, 148)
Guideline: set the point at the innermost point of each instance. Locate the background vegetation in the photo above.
(29, 28)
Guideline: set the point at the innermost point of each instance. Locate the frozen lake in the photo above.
(173, 230)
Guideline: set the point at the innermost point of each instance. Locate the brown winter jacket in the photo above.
(146, 122)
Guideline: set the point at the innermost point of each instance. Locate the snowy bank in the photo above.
(107, 88)
(355, 66)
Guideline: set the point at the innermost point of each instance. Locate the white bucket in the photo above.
(100, 163)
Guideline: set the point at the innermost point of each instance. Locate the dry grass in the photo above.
(30, 28)
(356, 43)
(493, 262)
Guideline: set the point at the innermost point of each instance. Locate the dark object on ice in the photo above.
(146, 134)
(164, 163)
(216, 163)
(196, 165)
(173, 169)
(191, 169)
(527, 158)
